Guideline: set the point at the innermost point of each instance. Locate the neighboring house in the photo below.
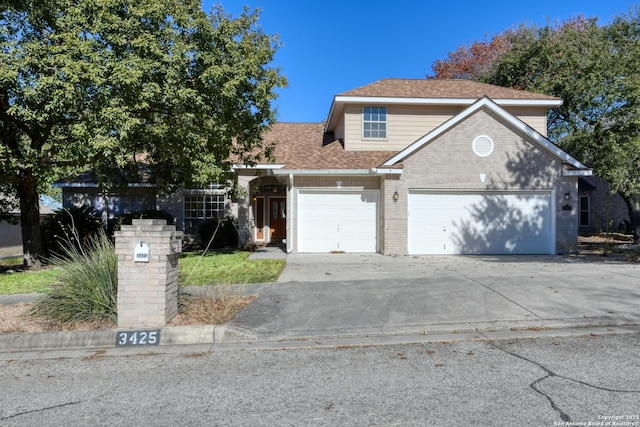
(599, 209)
(11, 231)
(399, 167)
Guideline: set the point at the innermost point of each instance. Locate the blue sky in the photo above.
(331, 46)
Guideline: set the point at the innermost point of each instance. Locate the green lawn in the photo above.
(227, 267)
(218, 267)
(15, 281)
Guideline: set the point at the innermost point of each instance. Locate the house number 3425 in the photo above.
(131, 338)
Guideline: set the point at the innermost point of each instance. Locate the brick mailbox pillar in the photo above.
(147, 254)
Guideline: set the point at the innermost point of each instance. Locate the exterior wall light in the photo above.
(395, 196)
(567, 196)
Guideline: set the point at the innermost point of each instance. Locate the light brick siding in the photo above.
(449, 163)
(148, 291)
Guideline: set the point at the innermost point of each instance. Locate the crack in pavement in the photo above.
(550, 374)
(503, 296)
(40, 410)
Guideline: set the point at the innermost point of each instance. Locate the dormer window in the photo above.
(374, 123)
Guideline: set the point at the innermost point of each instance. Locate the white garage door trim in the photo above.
(481, 222)
(345, 221)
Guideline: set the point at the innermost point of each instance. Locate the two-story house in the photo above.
(400, 166)
(417, 167)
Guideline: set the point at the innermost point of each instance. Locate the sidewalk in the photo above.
(10, 251)
(355, 298)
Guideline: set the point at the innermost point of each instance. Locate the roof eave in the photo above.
(258, 166)
(521, 102)
(319, 172)
(577, 172)
(95, 185)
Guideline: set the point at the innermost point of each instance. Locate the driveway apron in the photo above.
(320, 295)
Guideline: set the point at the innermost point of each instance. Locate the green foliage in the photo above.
(101, 84)
(226, 233)
(76, 226)
(146, 214)
(87, 285)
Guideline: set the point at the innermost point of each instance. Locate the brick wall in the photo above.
(147, 291)
(449, 163)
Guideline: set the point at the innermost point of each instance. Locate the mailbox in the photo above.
(141, 253)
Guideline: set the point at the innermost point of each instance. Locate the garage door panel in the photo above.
(337, 221)
(482, 223)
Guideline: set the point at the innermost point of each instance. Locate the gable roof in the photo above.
(305, 146)
(434, 92)
(572, 165)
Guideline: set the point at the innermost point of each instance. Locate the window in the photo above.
(116, 204)
(127, 203)
(584, 211)
(202, 203)
(374, 122)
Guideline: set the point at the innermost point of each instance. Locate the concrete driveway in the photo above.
(326, 295)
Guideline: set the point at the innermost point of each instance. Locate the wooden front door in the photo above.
(278, 217)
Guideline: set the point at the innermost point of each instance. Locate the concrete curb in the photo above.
(73, 340)
(226, 334)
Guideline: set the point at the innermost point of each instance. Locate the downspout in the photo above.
(290, 216)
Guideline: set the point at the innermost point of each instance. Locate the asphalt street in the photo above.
(541, 382)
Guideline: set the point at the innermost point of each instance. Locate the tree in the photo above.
(473, 62)
(594, 70)
(476, 61)
(107, 84)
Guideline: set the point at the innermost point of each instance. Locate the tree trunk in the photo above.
(633, 206)
(30, 219)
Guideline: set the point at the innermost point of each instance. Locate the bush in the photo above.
(87, 285)
(69, 225)
(126, 219)
(225, 231)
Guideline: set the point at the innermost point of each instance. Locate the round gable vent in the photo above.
(482, 146)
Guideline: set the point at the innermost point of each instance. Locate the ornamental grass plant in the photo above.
(87, 284)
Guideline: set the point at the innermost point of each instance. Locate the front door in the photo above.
(278, 216)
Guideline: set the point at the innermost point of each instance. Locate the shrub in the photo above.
(114, 225)
(69, 225)
(87, 284)
(225, 231)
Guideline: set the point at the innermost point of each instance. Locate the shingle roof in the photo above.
(306, 146)
(432, 88)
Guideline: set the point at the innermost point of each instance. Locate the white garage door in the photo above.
(337, 221)
(481, 223)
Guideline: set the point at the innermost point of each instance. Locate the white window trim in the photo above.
(386, 123)
(213, 189)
